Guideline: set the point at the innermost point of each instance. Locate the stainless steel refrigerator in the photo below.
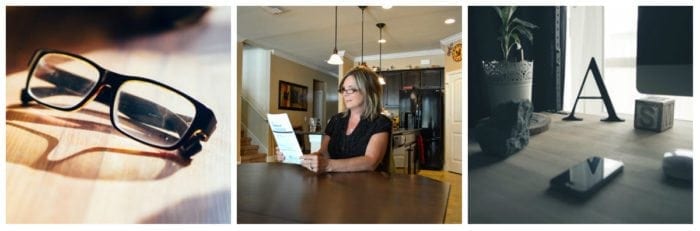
(425, 109)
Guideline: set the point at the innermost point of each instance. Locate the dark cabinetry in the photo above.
(410, 78)
(431, 78)
(391, 88)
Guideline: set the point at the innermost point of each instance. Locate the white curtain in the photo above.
(584, 40)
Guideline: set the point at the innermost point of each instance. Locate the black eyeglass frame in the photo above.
(104, 91)
(345, 91)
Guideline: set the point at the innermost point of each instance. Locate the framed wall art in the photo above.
(293, 96)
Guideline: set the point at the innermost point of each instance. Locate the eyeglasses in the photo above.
(144, 110)
(347, 91)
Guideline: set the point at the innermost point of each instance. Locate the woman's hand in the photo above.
(315, 162)
(280, 156)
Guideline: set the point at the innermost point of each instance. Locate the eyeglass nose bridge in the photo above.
(348, 91)
(107, 88)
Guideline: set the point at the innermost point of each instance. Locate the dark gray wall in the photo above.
(547, 50)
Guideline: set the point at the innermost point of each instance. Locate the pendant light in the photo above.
(362, 43)
(381, 40)
(335, 59)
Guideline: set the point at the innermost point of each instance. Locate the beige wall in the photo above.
(239, 77)
(283, 69)
(403, 63)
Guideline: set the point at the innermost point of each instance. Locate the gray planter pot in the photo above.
(506, 81)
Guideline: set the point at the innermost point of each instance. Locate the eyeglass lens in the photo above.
(143, 110)
(347, 90)
(152, 113)
(62, 81)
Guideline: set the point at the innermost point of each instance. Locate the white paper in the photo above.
(286, 139)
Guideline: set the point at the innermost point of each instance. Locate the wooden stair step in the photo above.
(249, 147)
(249, 152)
(260, 157)
(245, 141)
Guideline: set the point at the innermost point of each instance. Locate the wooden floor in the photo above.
(453, 214)
(515, 189)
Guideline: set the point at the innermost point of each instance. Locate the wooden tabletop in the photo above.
(516, 189)
(284, 193)
(73, 167)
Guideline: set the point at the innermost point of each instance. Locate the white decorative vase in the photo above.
(507, 81)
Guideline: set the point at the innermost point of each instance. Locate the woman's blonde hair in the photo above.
(368, 83)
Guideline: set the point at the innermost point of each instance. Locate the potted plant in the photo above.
(508, 80)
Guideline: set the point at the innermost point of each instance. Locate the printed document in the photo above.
(286, 139)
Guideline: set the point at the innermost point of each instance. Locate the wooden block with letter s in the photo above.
(654, 113)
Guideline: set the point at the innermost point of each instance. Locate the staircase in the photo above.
(249, 152)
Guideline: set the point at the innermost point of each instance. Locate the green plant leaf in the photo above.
(501, 14)
(512, 29)
(524, 23)
(526, 32)
(516, 41)
(511, 11)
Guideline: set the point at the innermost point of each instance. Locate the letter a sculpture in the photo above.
(612, 117)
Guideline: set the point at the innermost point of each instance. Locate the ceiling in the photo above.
(305, 33)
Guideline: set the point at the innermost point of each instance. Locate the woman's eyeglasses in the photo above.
(347, 90)
(145, 110)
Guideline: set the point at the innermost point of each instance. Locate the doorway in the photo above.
(319, 102)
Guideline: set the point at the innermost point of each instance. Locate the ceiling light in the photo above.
(362, 42)
(386, 7)
(382, 41)
(381, 27)
(449, 21)
(335, 59)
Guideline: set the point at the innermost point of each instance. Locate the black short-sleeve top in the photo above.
(343, 146)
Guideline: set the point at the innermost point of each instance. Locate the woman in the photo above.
(356, 139)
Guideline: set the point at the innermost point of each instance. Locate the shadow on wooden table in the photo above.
(481, 159)
(678, 183)
(213, 208)
(88, 162)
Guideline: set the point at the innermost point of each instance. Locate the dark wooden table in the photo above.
(514, 190)
(284, 193)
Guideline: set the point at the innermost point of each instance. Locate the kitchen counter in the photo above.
(405, 131)
(403, 151)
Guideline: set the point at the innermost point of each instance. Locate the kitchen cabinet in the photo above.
(431, 78)
(391, 89)
(410, 78)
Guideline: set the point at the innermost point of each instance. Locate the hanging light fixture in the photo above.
(362, 46)
(381, 40)
(335, 59)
